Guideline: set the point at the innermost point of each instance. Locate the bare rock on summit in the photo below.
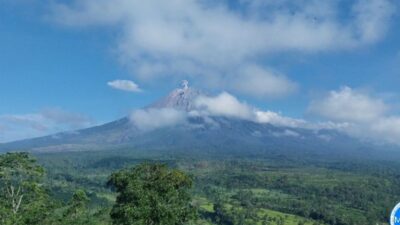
(180, 98)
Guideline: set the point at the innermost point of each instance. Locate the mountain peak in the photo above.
(185, 84)
(181, 98)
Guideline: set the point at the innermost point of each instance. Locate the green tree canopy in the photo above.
(23, 199)
(151, 194)
(77, 212)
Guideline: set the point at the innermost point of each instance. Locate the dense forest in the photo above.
(132, 187)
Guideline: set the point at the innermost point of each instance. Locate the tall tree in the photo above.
(77, 212)
(152, 194)
(23, 199)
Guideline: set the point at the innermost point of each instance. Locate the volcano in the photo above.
(195, 133)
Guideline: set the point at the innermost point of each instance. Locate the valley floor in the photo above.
(270, 190)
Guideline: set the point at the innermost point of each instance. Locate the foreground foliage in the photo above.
(151, 194)
(148, 194)
(260, 190)
(23, 199)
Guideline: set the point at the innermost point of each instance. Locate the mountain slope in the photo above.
(196, 133)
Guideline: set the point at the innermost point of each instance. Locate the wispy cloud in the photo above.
(45, 122)
(278, 120)
(261, 82)
(124, 85)
(212, 41)
(222, 105)
(150, 119)
(228, 105)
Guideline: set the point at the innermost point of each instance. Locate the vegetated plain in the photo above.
(261, 189)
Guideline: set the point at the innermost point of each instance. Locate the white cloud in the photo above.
(347, 110)
(349, 105)
(224, 105)
(149, 119)
(212, 41)
(366, 116)
(388, 128)
(124, 85)
(45, 122)
(278, 120)
(228, 105)
(370, 16)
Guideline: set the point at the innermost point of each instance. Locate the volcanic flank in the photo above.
(180, 126)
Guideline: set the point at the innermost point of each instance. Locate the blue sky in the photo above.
(57, 58)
